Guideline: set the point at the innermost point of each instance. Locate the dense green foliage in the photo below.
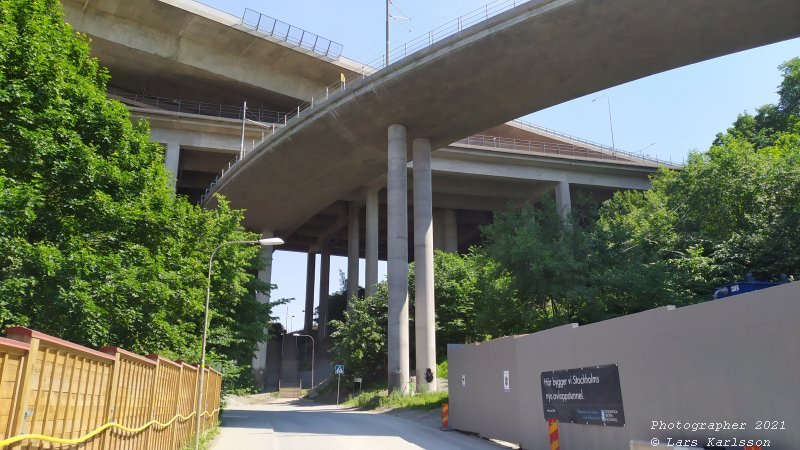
(95, 247)
(359, 341)
(731, 210)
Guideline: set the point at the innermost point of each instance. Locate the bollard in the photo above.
(552, 426)
(445, 417)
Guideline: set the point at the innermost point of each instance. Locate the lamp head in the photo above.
(270, 241)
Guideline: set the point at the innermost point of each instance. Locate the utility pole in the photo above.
(387, 32)
(388, 17)
(610, 123)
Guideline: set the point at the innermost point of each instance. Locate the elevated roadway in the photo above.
(538, 54)
(185, 49)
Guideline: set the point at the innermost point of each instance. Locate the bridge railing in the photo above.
(612, 150)
(201, 108)
(283, 31)
(552, 148)
(450, 28)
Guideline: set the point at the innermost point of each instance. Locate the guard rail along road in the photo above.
(56, 394)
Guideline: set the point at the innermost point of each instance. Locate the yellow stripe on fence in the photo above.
(94, 433)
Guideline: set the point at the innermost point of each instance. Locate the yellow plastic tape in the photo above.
(94, 433)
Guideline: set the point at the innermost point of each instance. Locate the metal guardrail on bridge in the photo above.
(612, 150)
(277, 29)
(201, 108)
(547, 148)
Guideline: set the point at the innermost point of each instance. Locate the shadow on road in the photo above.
(302, 418)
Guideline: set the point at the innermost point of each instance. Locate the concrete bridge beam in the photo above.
(424, 313)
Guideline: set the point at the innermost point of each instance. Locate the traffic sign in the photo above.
(339, 369)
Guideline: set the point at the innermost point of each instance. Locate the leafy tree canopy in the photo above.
(95, 247)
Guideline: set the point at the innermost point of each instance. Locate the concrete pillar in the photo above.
(324, 290)
(311, 269)
(438, 229)
(371, 252)
(450, 231)
(563, 200)
(264, 275)
(424, 311)
(172, 156)
(353, 248)
(397, 261)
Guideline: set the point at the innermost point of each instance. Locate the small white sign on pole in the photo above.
(506, 381)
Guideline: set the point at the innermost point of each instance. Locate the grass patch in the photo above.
(379, 399)
(206, 437)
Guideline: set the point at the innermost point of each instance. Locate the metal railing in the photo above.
(551, 148)
(447, 29)
(611, 150)
(277, 29)
(201, 108)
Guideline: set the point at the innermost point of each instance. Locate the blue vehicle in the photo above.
(749, 285)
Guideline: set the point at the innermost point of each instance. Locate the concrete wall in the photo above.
(735, 359)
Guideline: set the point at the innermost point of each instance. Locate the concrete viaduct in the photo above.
(341, 153)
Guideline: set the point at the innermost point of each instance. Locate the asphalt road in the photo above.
(305, 426)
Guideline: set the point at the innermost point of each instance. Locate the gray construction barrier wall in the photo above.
(735, 359)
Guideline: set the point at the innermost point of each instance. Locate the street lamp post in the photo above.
(610, 123)
(263, 242)
(312, 355)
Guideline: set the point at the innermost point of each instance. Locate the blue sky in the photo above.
(667, 115)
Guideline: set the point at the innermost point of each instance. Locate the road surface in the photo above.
(302, 425)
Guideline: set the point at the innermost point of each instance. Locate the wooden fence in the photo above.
(57, 395)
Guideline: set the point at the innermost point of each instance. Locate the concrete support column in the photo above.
(353, 238)
(172, 156)
(264, 275)
(324, 289)
(424, 310)
(450, 231)
(311, 269)
(371, 270)
(438, 229)
(397, 264)
(563, 200)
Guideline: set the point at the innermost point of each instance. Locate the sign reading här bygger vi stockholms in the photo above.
(589, 395)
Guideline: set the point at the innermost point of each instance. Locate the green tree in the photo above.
(733, 209)
(94, 245)
(360, 340)
(549, 259)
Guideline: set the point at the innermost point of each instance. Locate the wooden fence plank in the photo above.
(26, 380)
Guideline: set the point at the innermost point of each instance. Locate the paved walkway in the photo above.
(301, 425)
